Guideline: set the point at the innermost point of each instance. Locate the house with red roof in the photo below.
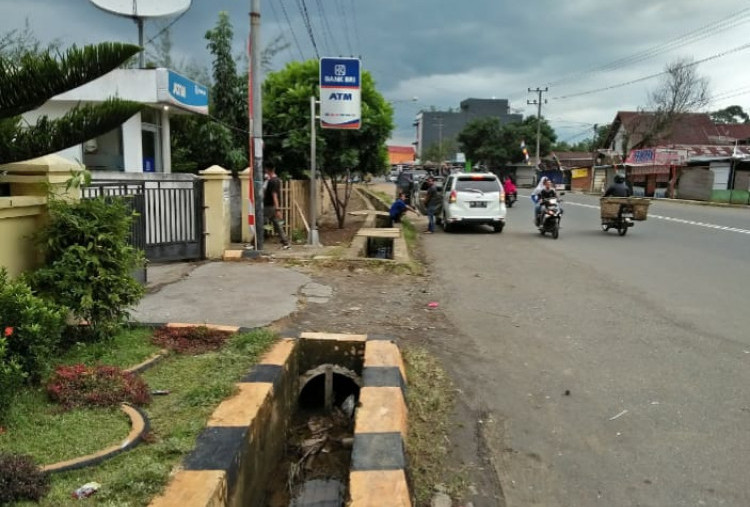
(399, 155)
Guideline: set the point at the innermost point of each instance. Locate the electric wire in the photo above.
(327, 32)
(276, 18)
(652, 76)
(342, 15)
(167, 27)
(306, 19)
(291, 29)
(355, 25)
(731, 21)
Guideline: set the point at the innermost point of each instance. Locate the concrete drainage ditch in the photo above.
(320, 421)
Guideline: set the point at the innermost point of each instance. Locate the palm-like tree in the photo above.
(27, 84)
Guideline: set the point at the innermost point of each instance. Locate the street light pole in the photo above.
(313, 239)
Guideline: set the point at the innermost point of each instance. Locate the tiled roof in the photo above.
(401, 149)
(689, 128)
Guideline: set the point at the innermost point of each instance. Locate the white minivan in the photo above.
(473, 198)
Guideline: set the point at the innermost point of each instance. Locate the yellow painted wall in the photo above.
(20, 217)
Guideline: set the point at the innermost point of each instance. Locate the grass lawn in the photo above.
(196, 383)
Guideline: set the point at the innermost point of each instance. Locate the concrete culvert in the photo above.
(343, 383)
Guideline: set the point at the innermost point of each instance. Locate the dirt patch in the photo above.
(328, 228)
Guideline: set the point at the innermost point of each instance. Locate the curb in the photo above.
(139, 427)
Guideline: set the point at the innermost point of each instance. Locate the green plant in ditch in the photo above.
(89, 261)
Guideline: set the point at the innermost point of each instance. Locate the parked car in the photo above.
(473, 198)
(393, 176)
(419, 192)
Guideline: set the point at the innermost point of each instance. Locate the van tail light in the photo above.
(452, 197)
(502, 196)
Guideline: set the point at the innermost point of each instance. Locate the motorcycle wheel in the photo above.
(605, 227)
(556, 232)
(509, 203)
(622, 231)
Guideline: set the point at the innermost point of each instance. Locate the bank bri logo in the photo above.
(340, 93)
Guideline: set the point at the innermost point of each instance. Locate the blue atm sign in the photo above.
(340, 93)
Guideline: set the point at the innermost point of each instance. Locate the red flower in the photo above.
(8, 331)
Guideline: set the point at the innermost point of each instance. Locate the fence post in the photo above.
(216, 203)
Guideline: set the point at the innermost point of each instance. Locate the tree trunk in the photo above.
(339, 204)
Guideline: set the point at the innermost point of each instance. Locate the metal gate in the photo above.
(170, 216)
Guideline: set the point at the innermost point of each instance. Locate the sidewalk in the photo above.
(230, 293)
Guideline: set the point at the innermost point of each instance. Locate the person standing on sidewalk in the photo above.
(271, 198)
(430, 203)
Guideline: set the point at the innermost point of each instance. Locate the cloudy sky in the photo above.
(443, 51)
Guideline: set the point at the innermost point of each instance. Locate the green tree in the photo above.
(439, 152)
(731, 114)
(486, 141)
(30, 81)
(286, 123)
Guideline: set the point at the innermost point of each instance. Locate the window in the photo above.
(484, 184)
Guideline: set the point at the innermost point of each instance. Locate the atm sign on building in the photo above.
(340, 93)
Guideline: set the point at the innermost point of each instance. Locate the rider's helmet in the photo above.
(619, 178)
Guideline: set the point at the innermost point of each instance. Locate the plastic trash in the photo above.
(348, 406)
(86, 490)
(433, 304)
(160, 392)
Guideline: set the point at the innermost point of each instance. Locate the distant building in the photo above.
(434, 127)
(400, 155)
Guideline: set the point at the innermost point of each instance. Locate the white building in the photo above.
(142, 143)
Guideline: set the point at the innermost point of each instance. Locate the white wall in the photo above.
(132, 146)
(138, 85)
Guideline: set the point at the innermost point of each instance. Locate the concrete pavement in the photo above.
(240, 294)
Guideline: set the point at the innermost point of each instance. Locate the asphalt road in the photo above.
(648, 333)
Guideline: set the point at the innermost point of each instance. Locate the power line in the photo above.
(355, 25)
(291, 29)
(651, 76)
(276, 17)
(701, 33)
(306, 19)
(169, 25)
(327, 32)
(342, 15)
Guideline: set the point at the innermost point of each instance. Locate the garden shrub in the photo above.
(89, 262)
(21, 479)
(31, 329)
(96, 386)
(190, 340)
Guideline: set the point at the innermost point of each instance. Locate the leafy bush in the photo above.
(10, 376)
(31, 329)
(98, 386)
(89, 262)
(190, 340)
(21, 479)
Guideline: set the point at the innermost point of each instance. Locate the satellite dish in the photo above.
(139, 10)
(143, 8)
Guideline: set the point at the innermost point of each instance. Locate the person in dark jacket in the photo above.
(619, 188)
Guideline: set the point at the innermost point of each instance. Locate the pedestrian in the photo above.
(271, 199)
(399, 208)
(431, 201)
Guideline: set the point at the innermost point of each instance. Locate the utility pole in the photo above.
(256, 122)
(538, 102)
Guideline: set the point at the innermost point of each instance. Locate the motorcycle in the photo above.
(548, 219)
(510, 198)
(621, 222)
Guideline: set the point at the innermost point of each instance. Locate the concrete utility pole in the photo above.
(256, 122)
(538, 102)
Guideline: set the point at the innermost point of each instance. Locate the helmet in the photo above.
(619, 178)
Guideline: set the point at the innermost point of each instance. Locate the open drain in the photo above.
(315, 468)
(379, 248)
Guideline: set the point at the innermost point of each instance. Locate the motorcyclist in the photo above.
(547, 192)
(619, 188)
(510, 188)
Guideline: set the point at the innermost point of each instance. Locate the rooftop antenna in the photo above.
(139, 10)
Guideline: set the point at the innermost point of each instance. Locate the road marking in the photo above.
(675, 220)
